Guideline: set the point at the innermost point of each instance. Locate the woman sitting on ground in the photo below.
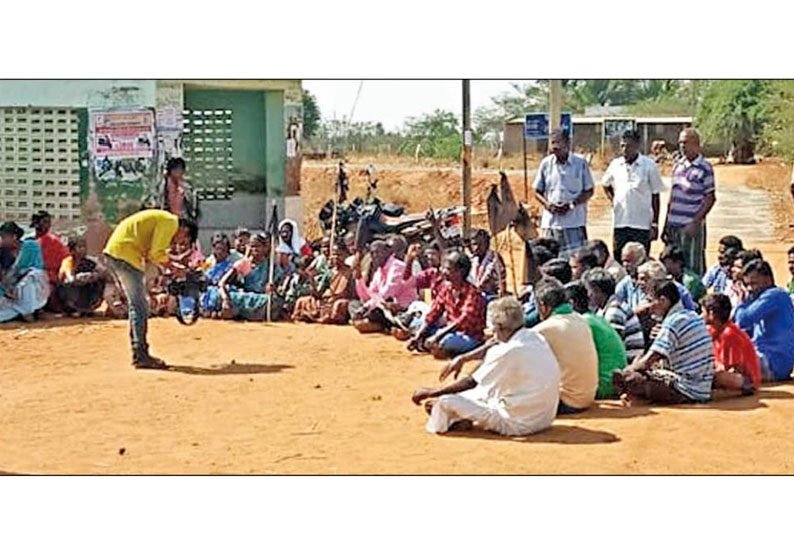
(186, 256)
(222, 262)
(81, 281)
(329, 306)
(299, 283)
(244, 289)
(291, 240)
(25, 287)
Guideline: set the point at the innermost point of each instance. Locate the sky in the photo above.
(391, 101)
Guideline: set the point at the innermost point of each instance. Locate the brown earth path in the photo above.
(292, 398)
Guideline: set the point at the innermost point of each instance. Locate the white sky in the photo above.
(391, 101)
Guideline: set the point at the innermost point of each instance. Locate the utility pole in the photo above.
(466, 174)
(555, 106)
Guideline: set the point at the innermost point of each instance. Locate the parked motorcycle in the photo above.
(371, 219)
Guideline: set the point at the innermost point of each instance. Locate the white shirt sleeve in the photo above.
(608, 179)
(539, 185)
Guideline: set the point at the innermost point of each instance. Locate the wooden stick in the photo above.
(512, 262)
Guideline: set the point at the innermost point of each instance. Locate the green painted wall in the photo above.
(275, 142)
(248, 127)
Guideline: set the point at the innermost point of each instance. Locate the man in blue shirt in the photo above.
(768, 317)
(563, 186)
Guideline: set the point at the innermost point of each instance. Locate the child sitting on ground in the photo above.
(735, 360)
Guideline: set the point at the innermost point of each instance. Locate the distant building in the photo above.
(601, 134)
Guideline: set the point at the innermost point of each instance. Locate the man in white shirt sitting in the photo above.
(514, 392)
(632, 183)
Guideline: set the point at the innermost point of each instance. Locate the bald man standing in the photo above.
(691, 200)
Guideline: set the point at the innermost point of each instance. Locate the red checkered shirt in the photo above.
(463, 306)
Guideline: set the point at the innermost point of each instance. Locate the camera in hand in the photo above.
(188, 291)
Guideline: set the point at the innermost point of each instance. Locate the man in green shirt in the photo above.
(673, 259)
(609, 346)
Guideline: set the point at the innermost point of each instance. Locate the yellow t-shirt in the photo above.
(144, 236)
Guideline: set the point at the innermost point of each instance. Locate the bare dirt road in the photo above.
(292, 398)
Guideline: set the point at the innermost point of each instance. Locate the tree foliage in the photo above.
(437, 133)
(735, 111)
(778, 132)
(311, 114)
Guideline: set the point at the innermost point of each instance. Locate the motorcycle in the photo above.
(371, 219)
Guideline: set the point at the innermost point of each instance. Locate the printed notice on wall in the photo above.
(122, 144)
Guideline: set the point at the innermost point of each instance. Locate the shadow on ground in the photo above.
(230, 369)
(611, 409)
(557, 434)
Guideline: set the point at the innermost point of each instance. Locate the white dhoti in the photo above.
(453, 408)
(32, 292)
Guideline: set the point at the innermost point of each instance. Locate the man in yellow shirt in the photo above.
(145, 236)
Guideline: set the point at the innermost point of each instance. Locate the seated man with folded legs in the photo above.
(572, 342)
(601, 293)
(81, 280)
(767, 315)
(735, 360)
(515, 390)
(463, 307)
(609, 346)
(387, 293)
(679, 367)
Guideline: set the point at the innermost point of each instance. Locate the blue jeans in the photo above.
(134, 287)
(457, 343)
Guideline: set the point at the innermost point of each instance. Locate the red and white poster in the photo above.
(123, 144)
(123, 134)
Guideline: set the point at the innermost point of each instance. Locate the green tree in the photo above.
(311, 114)
(735, 111)
(437, 133)
(778, 133)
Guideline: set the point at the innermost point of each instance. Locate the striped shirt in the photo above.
(627, 324)
(685, 341)
(716, 279)
(692, 182)
(632, 293)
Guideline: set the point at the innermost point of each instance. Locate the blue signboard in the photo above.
(536, 125)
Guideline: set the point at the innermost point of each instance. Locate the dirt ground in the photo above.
(294, 398)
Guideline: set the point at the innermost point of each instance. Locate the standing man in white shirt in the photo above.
(563, 187)
(633, 184)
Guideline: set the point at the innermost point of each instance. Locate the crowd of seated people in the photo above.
(640, 328)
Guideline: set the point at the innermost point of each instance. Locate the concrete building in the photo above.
(240, 139)
(593, 134)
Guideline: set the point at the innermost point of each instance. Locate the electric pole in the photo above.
(466, 174)
(555, 105)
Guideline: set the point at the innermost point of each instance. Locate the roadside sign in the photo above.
(536, 125)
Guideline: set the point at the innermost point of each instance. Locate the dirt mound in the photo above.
(418, 189)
